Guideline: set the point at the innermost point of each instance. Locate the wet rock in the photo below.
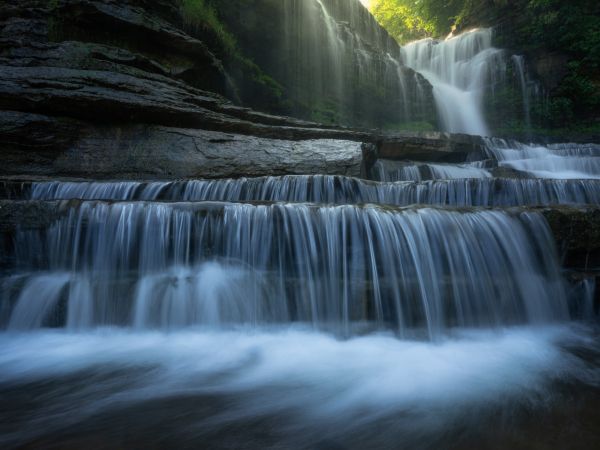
(432, 147)
(38, 144)
(170, 152)
(577, 234)
(53, 146)
(26, 214)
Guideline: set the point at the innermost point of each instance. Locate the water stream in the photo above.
(425, 307)
(463, 71)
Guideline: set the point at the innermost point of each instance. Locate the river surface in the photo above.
(292, 387)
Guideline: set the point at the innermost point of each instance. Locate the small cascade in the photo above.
(174, 254)
(519, 65)
(400, 171)
(562, 161)
(465, 72)
(334, 58)
(171, 265)
(484, 191)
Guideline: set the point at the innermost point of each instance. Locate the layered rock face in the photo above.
(334, 61)
(107, 88)
(147, 101)
(96, 84)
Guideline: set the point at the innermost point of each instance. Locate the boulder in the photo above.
(56, 146)
(432, 146)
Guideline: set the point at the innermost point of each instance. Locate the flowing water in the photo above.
(333, 52)
(412, 310)
(173, 265)
(463, 71)
(149, 316)
(563, 161)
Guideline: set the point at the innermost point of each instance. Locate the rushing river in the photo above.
(293, 387)
(426, 307)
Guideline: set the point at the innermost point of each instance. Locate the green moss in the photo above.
(202, 15)
(408, 20)
(261, 78)
(55, 23)
(576, 129)
(326, 112)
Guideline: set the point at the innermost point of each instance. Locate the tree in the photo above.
(408, 20)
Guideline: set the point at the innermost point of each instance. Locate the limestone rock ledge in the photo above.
(115, 89)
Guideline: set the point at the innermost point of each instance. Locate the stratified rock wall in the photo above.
(334, 61)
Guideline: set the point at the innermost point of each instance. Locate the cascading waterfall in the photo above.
(463, 70)
(391, 171)
(338, 65)
(460, 69)
(178, 264)
(333, 49)
(499, 192)
(121, 307)
(519, 65)
(563, 161)
(308, 311)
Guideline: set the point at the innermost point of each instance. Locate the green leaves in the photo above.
(202, 15)
(409, 20)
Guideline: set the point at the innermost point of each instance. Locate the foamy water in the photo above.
(314, 384)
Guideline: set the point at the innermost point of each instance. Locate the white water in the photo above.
(466, 71)
(478, 191)
(331, 50)
(519, 65)
(171, 265)
(390, 171)
(565, 161)
(461, 70)
(309, 385)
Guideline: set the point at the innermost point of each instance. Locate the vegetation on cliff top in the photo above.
(203, 17)
(409, 20)
(533, 27)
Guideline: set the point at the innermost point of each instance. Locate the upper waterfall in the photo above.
(237, 224)
(460, 69)
(336, 64)
(465, 71)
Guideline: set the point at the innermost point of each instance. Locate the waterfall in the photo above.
(425, 305)
(392, 171)
(519, 65)
(297, 300)
(481, 191)
(464, 70)
(564, 161)
(460, 69)
(179, 264)
(338, 62)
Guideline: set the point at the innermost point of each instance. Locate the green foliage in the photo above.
(408, 20)
(401, 20)
(202, 15)
(263, 82)
(535, 27)
(572, 26)
(573, 29)
(325, 112)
